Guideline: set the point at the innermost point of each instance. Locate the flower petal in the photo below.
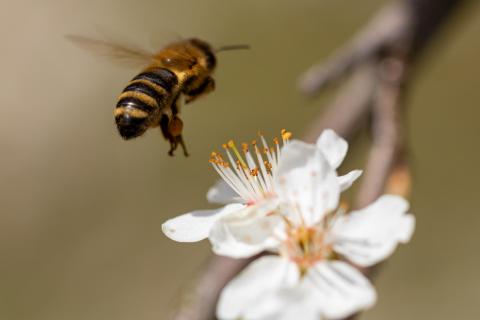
(347, 180)
(195, 226)
(251, 294)
(246, 232)
(302, 309)
(306, 182)
(333, 147)
(295, 154)
(340, 289)
(222, 193)
(370, 235)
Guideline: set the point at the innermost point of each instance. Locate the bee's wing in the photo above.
(127, 55)
(163, 37)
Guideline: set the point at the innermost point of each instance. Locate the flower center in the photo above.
(250, 176)
(306, 246)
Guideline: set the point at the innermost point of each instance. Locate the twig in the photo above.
(350, 107)
(386, 150)
(387, 28)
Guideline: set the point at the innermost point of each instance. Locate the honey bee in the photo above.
(180, 72)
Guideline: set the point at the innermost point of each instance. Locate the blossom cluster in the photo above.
(285, 200)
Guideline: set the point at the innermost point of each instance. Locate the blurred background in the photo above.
(81, 210)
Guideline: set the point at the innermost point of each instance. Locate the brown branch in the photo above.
(350, 107)
(386, 150)
(375, 60)
(387, 27)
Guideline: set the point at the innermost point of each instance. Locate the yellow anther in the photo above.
(245, 147)
(254, 142)
(286, 134)
(224, 146)
(275, 140)
(254, 172)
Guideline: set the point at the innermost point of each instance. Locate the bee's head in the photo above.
(210, 61)
(129, 126)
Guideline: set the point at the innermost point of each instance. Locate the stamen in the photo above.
(268, 166)
(245, 147)
(250, 176)
(286, 135)
(266, 178)
(232, 146)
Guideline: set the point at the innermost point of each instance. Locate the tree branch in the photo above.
(376, 60)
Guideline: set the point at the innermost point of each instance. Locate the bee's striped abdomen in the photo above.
(144, 96)
(162, 77)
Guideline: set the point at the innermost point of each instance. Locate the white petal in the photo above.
(305, 181)
(195, 226)
(294, 155)
(296, 302)
(370, 235)
(251, 294)
(339, 289)
(299, 310)
(222, 193)
(333, 147)
(347, 180)
(246, 232)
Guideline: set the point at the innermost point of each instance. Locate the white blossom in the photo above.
(248, 191)
(310, 233)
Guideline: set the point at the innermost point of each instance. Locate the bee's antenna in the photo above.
(233, 47)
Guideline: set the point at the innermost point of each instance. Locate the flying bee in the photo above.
(181, 71)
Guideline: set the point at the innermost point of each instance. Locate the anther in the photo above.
(286, 134)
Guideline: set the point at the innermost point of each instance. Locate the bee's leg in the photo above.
(177, 104)
(173, 147)
(164, 128)
(204, 87)
(182, 143)
(175, 129)
(163, 124)
(172, 131)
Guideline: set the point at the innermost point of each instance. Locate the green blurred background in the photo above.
(81, 210)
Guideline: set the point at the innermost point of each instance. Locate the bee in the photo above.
(180, 72)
